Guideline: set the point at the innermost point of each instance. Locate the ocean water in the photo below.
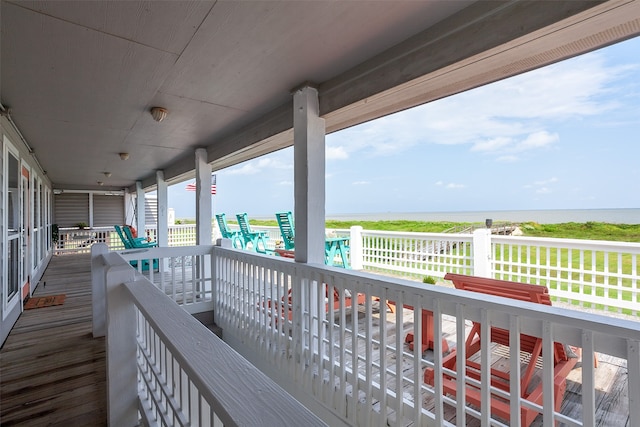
(548, 216)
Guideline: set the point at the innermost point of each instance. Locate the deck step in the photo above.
(206, 319)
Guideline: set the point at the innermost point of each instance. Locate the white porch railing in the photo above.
(352, 363)
(163, 366)
(74, 240)
(592, 274)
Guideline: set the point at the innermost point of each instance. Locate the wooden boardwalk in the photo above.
(52, 370)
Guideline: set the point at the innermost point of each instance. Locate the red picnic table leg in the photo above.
(427, 333)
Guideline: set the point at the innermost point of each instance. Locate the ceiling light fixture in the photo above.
(107, 174)
(124, 156)
(159, 113)
(100, 182)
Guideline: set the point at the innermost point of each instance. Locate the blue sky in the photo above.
(566, 136)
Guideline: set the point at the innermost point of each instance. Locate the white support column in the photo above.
(203, 198)
(90, 210)
(162, 233)
(129, 213)
(356, 247)
(140, 220)
(309, 171)
(482, 252)
(309, 158)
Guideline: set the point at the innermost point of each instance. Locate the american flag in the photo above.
(192, 186)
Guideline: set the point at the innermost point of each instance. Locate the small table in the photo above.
(334, 246)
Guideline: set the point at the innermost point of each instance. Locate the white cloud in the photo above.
(542, 186)
(491, 144)
(537, 140)
(260, 165)
(513, 115)
(286, 183)
(246, 169)
(336, 153)
(546, 181)
(361, 183)
(450, 185)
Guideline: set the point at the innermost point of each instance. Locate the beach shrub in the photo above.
(429, 280)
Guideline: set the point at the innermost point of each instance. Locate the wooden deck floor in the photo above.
(52, 370)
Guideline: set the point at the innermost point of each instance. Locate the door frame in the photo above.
(9, 303)
(26, 207)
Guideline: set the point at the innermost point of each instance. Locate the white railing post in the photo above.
(98, 300)
(122, 384)
(223, 243)
(482, 252)
(356, 247)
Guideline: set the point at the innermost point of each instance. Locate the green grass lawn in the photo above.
(569, 230)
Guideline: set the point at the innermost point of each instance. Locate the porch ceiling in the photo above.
(80, 77)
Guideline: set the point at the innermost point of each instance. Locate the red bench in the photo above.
(563, 364)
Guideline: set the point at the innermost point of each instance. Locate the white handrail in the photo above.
(185, 374)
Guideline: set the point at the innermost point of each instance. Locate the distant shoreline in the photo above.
(549, 216)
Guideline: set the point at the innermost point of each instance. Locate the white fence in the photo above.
(417, 254)
(352, 361)
(163, 366)
(592, 274)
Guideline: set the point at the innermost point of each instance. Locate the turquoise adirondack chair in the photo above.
(127, 242)
(333, 246)
(258, 239)
(235, 236)
(137, 242)
(285, 222)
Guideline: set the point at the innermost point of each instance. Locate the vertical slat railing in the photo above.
(179, 272)
(341, 373)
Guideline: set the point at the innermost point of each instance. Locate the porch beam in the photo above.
(203, 198)
(140, 216)
(162, 232)
(309, 182)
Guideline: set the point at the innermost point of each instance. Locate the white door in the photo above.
(13, 264)
(25, 231)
